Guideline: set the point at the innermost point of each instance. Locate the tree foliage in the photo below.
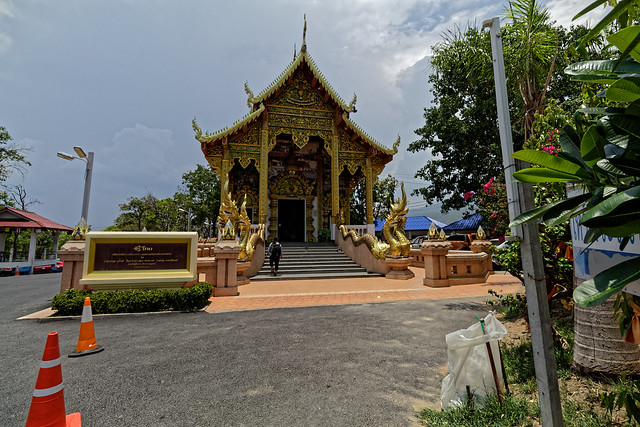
(198, 194)
(461, 132)
(12, 157)
(383, 194)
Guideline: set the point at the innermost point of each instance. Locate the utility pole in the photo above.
(520, 199)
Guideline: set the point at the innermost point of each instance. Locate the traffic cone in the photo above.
(87, 340)
(17, 273)
(47, 403)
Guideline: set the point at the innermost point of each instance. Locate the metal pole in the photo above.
(87, 187)
(521, 200)
(189, 220)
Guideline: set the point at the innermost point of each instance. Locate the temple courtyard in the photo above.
(364, 351)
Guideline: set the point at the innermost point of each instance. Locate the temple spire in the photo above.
(304, 35)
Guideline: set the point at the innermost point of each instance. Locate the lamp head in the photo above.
(64, 155)
(80, 152)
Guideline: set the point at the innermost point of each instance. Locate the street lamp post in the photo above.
(88, 159)
(188, 212)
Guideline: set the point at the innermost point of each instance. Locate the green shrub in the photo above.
(191, 299)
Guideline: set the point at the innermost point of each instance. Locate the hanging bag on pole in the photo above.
(469, 363)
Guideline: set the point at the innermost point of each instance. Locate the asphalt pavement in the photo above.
(340, 365)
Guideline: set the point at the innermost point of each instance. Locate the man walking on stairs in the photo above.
(275, 253)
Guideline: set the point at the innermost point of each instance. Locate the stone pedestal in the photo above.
(478, 246)
(72, 254)
(226, 252)
(399, 268)
(242, 278)
(435, 263)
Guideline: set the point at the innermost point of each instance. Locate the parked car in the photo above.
(461, 241)
(57, 268)
(417, 241)
(41, 269)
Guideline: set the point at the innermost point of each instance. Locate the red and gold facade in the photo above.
(296, 150)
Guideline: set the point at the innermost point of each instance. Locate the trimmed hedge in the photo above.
(190, 299)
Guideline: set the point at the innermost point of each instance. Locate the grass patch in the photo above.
(513, 411)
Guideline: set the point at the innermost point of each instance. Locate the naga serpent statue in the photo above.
(393, 230)
(246, 240)
(228, 216)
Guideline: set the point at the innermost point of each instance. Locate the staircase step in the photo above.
(312, 261)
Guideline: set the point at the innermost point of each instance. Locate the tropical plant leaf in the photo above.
(570, 141)
(624, 90)
(607, 166)
(615, 135)
(598, 289)
(601, 111)
(565, 210)
(626, 40)
(611, 203)
(538, 175)
(592, 146)
(531, 215)
(592, 235)
(628, 166)
(626, 124)
(620, 8)
(633, 109)
(550, 161)
(589, 8)
(603, 79)
(605, 68)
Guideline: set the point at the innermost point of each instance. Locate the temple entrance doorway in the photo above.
(291, 220)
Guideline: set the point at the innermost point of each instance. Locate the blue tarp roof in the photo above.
(414, 223)
(471, 222)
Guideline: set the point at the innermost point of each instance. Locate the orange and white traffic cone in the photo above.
(17, 273)
(47, 403)
(87, 340)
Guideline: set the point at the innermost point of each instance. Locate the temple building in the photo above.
(297, 155)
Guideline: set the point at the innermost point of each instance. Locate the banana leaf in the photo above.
(598, 289)
(602, 110)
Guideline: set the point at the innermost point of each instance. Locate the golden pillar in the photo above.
(225, 164)
(368, 176)
(264, 173)
(319, 189)
(335, 176)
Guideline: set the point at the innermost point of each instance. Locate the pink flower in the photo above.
(468, 195)
(493, 215)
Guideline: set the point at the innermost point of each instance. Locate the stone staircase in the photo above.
(312, 261)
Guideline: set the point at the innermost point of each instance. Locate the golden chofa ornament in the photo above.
(442, 235)
(432, 233)
(481, 234)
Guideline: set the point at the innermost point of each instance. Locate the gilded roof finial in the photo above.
(304, 34)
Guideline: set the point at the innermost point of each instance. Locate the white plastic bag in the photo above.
(469, 363)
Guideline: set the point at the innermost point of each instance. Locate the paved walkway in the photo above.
(300, 293)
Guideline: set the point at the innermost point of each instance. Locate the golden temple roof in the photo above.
(257, 103)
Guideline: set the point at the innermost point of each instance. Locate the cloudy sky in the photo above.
(124, 78)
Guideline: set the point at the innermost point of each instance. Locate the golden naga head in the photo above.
(243, 217)
(399, 209)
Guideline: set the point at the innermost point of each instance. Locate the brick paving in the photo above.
(301, 293)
